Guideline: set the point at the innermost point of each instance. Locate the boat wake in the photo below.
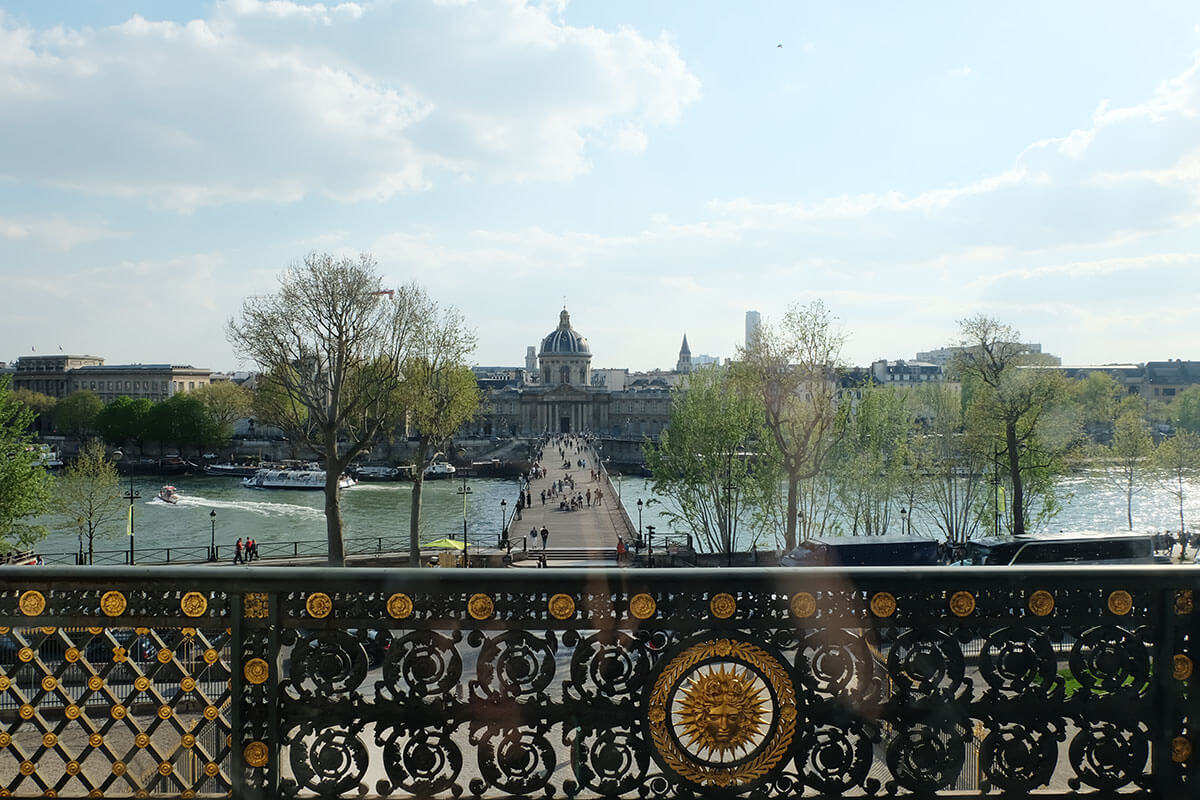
(260, 508)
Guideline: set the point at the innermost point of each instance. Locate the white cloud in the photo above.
(961, 72)
(54, 233)
(275, 101)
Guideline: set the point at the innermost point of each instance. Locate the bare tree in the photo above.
(332, 344)
(89, 498)
(792, 368)
(441, 394)
(1007, 389)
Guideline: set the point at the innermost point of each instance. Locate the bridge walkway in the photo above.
(588, 533)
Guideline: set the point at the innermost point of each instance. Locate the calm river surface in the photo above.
(380, 511)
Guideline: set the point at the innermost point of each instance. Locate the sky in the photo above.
(658, 167)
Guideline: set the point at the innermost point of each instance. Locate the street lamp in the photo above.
(132, 495)
(904, 522)
(639, 517)
(503, 503)
(212, 544)
(650, 544)
(464, 491)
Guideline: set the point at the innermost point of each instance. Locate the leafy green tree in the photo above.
(226, 402)
(792, 369)
(24, 486)
(42, 406)
(88, 496)
(1179, 460)
(75, 414)
(331, 344)
(710, 461)
(124, 420)
(1185, 409)
(1013, 396)
(440, 393)
(869, 458)
(1099, 398)
(1127, 459)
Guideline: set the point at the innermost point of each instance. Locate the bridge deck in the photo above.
(594, 528)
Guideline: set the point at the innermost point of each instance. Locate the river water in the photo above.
(376, 515)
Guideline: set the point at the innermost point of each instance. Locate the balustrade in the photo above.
(294, 682)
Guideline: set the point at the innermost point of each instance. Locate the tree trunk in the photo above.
(414, 517)
(414, 514)
(793, 502)
(1014, 472)
(1129, 502)
(333, 507)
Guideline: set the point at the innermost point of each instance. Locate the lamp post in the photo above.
(132, 495)
(503, 503)
(650, 544)
(905, 527)
(464, 491)
(639, 517)
(212, 542)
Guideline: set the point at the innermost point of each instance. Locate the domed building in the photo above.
(564, 356)
(564, 396)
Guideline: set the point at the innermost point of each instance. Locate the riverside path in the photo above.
(584, 536)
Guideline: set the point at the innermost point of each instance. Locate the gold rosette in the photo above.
(113, 603)
(1041, 603)
(642, 606)
(399, 606)
(193, 604)
(480, 607)
(1120, 602)
(962, 604)
(256, 754)
(883, 604)
(318, 605)
(32, 603)
(803, 605)
(722, 605)
(561, 606)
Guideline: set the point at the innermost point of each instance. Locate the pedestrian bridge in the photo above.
(614, 683)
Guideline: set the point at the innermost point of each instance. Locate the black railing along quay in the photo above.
(611, 683)
(197, 554)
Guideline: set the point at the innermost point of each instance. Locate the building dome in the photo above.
(564, 339)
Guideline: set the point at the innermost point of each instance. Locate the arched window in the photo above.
(583, 374)
(564, 375)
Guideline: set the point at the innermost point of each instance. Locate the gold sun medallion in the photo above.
(722, 713)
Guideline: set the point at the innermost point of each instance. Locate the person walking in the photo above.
(545, 537)
(237, 552)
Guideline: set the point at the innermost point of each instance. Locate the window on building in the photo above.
(564, 375)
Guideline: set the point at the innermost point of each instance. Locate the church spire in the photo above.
(684, 364)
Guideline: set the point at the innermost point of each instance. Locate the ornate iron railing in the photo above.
(287, 682)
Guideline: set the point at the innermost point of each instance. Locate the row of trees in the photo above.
(197, 420)
(779, 441)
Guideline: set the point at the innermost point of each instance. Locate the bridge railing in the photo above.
(288, 682)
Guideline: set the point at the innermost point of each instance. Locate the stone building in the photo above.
(155, 382)
(563, 395)
(50, 375)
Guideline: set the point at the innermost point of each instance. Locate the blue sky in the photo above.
(662, 166)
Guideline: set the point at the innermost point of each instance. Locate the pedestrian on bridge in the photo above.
(545, 537)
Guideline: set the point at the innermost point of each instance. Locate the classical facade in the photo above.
(50, 375)
(563, 395)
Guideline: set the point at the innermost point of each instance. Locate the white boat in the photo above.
(383, 473)
(312, 479)
(231, 470)
(169, 494)
(438, 470)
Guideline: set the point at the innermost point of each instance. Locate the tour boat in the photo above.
(231, 470)
(376, 473)
(438, 470)
(169, 494)
(312, 479)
